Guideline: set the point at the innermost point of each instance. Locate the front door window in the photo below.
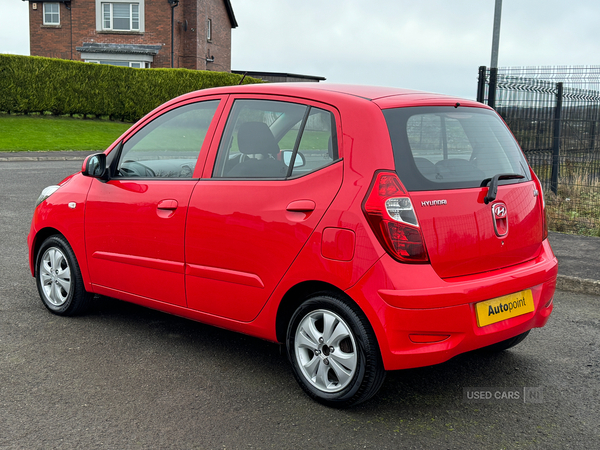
(168, 147)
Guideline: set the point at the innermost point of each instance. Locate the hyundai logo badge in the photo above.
(499, 210)
(500, 218)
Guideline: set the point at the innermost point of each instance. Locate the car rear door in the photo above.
(251, 214)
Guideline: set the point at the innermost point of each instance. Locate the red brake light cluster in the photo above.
(390, 213)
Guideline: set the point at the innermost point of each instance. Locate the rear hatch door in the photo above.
(471, 187)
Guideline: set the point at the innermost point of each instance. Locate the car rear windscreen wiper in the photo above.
(493, 189)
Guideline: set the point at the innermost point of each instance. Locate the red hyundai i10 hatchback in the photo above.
(369, 229)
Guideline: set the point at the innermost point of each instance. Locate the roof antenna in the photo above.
(242, 80)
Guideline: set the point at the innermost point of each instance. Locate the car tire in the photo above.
(505, 345)
(58, 278)
(334, 353)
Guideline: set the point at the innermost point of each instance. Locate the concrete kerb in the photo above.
(578, 285)
(45, 156)
(38, 158)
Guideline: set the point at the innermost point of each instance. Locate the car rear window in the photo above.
(450, 148)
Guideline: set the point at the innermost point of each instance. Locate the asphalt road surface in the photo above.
(126, 377)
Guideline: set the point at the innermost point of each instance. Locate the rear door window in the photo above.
(449, 148)
(265, 139)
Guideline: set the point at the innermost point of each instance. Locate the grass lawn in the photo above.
(47, 133)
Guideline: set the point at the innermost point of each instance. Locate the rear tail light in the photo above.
(538, 186)
(392, 218)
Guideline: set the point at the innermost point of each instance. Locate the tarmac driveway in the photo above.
(128, 377)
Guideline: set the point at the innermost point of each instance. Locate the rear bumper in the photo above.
(421, 319)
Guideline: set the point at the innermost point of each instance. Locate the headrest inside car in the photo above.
(256, 138)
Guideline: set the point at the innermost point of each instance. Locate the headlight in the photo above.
(47, 192)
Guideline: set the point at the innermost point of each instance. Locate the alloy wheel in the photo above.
(326, 350)
(55, 276)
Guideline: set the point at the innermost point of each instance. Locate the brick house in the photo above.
(135, 33)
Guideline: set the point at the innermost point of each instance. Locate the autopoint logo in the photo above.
(507, 307)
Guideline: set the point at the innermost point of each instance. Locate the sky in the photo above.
(429, 45)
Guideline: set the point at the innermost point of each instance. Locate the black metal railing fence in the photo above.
(554, 112)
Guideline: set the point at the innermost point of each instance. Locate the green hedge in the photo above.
(32, 84)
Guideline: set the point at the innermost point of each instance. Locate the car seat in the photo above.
(259, 153)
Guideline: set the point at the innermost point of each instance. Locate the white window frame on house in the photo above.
(128, 13)
(52, 14)
(105, 16)
(112, 62)
(209, 30)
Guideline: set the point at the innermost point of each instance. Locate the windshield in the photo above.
(448, 148)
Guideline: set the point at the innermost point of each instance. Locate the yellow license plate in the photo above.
(502, 308)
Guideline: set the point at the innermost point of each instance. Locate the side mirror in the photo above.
(300, 160)
(95, 166)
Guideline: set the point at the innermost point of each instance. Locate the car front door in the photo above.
(266, 186)
(135, 222)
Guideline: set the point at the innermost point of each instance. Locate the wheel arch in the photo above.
(295, 296)
(39, 239)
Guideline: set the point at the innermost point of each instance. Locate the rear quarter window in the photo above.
(448, 148)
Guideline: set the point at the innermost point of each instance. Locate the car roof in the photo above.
(385, 97)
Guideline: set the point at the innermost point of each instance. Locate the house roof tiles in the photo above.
(92, 47)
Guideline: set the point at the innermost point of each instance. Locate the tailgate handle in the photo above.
(170, 205)
(301, 206)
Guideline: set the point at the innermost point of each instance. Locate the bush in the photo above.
(32, 84)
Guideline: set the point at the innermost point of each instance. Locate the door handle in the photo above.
(169, 205)
(301, 206)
